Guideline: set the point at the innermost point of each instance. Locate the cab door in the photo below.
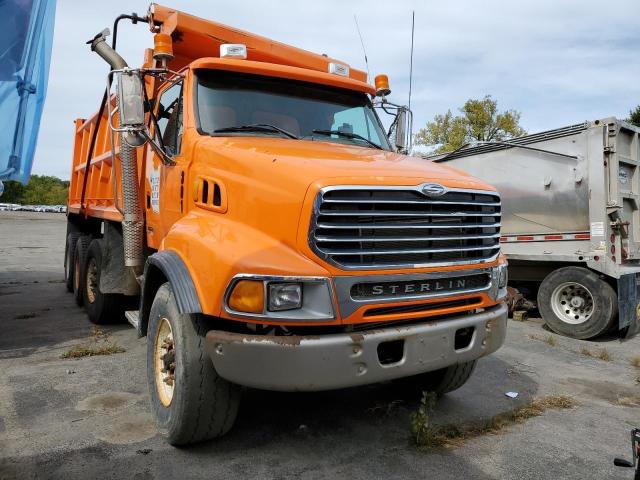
(165, 182)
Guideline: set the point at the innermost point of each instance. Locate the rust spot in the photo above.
(357, 337)
(218, 336)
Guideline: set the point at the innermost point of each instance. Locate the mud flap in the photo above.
(629, 305)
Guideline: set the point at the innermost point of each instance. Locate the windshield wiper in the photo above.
(257, 127)
(352, 136)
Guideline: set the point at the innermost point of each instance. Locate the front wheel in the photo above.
(576, 302)
(190, 401)
(441, 381)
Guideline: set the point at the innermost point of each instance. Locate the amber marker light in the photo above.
(382, 85)
(162, 47)
(247, 296)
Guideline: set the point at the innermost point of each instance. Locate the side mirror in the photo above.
(131, 107)
(402, 131)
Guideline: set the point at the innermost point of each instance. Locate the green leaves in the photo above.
(634, 116)
(41, 190)
(479, 121)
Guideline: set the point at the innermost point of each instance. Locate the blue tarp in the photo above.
(26, 35)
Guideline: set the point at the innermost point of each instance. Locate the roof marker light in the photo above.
(339, 69)
(233, 50)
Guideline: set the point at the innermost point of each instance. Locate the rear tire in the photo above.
(79, 258)
(190, 401)
(69, 253)
(577, 303)
(102, 308)
(441, 381)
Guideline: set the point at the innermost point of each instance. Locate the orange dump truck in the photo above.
(239, 201)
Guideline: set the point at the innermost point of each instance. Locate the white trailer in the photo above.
(570, 220)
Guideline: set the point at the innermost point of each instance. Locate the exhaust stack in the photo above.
(132, 223)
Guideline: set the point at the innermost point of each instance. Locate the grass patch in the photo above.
(628, 401)
(80, 351)
(430, 436)
(635, 362)
(602, 354)
(548, 339)
(99, 344)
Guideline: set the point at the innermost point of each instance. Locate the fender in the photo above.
(164, 266)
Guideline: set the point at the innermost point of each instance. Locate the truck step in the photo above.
(133, 317)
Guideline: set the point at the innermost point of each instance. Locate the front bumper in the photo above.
(326, 362)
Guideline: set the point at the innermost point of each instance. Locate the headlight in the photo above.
(291, 299)
(502, 275)
(284, 296)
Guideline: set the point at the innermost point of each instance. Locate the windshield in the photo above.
(240, 104)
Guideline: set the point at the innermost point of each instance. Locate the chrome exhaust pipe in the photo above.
(132, 221)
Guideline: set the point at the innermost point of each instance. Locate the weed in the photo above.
(80, 351)
(602, 354)
(98, 344)
(629, 401)
(635, 362)
(548, 339)
(427, 435)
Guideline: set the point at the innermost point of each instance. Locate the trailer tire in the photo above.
(69, 253)
(102, 308)
(195, 404)
(577, 303)
(79, 259)
(441, 381)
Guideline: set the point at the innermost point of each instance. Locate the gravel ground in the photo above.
(89, 417)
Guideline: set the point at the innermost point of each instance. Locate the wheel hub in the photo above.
(572, 303)
(165, 362)
(92, 280)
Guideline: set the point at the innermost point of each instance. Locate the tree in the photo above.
(479, 122)
(41, 190)
(634, 116)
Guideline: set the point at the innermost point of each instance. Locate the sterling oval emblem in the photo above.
(433, 189)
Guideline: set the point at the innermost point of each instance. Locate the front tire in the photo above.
(441, 381)
(190, 401)
(577, 303)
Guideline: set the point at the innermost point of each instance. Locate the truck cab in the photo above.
(286, 243)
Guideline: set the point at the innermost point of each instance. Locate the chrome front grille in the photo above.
(388, 227)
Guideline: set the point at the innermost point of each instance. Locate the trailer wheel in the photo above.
(191, 403)
(441, 381)
(79, 259)
(69, 254)
(576, 302)
(101, 307)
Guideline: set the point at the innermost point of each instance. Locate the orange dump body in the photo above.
(266, 185)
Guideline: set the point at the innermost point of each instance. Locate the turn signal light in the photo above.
(382, 85)
(247, 296)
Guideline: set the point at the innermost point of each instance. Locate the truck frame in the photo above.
(571, 220)
(240, 203)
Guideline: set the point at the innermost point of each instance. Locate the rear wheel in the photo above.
(79, 259)
(576, 302)
(69, 253)
(101, 307)
(191, 402)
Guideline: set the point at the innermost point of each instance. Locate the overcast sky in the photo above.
(558, 62)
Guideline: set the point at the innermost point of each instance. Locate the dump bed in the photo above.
(569, 194)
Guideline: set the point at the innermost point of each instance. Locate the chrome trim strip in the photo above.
(391, 213)
(348, 305)
(408, 251)
(407, 239)
(325, 256)
(279, 316)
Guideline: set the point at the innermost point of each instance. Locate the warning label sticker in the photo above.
(154, 180)
(597, 229)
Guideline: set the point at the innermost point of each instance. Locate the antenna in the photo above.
(413, 24)
(366, 61)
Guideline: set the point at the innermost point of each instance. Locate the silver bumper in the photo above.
(325, 362)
